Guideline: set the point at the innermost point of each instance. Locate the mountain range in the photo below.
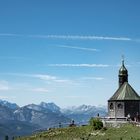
(82, 114)
(32, 117)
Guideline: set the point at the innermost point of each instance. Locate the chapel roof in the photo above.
(125, 92)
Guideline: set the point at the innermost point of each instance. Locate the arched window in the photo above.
(120, 106)
(111, 106)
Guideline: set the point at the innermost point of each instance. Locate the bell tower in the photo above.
(123, 74)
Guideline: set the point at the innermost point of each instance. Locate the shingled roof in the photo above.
(125, 92)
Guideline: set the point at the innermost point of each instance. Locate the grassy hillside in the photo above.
(126, 132)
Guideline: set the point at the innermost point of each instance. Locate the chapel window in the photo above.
(120, 106)
(111, 106)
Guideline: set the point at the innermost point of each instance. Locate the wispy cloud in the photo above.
(77, 48)
(62, 81)
(39, 76)
(53, 79)
(44, 76)
(70, 37)
(82, 37)
(80, 65)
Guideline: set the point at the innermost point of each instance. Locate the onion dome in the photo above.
(123, 70)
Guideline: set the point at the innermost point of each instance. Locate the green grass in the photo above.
(126, 132)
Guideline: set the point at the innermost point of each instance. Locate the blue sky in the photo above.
(67, 51)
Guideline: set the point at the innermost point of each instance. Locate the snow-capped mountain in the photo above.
(6, 113)
(85, 109)
(39, 115)
(9, 105)
(84, 112)
(51, 106)
(37, 108)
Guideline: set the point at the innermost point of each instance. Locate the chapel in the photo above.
(125, 101)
